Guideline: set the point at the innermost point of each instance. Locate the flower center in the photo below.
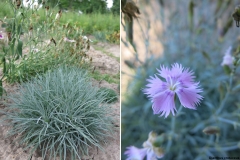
(172, 84)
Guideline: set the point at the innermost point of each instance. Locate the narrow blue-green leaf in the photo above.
(205, 54)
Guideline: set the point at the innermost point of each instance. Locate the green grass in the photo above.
(45, 27)
(111, 95)
(90, 23)
(107, 53)
(5, 10)
(107, 77)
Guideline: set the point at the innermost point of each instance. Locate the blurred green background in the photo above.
(195, 34)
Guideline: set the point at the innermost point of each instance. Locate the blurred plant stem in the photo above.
(172, 132)
(129, 30)
(227, 94)
(227, 148)
(235, 124)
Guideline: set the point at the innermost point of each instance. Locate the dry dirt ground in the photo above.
(10, 150)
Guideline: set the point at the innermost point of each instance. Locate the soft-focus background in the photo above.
(195, 34)
(38, 36)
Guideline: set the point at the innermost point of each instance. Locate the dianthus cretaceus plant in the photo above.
(61, 114)
(178, 81)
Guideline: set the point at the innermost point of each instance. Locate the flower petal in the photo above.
(155, 85)
(164, 72)
(163, 103)
(158, 152)
(134, 153)
(176, 70)
(151, 155)
(181, 74)
(228, 58)
(186, 78)
(189, 97)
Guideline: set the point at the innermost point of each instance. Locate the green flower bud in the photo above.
(211, 130)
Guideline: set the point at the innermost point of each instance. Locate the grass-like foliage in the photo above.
(35, 43)
(61, 114)
(103, 24)
(111, 95)
(201, 49)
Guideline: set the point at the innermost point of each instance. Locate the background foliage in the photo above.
(198, 43)
(104, 20)
(87, 6)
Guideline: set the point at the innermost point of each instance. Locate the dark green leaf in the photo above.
(205, 54)
(19, 47)
(227, 69)
(190, 13)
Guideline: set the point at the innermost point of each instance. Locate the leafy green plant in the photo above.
(212, 130)
(100, 35)
(95, 23)
(61, 114)
(113, 37)
(107, 77)
(34, 47)
(111, 95)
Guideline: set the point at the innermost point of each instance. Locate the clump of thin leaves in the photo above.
(213, 128)
(111, 95)
(61, 114)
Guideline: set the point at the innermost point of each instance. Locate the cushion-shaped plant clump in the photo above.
(111, 95)
(61, 114)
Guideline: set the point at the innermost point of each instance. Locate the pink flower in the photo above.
(149, 150)
(228, 59)
(135, 153)
(179, 81)
(1, 36)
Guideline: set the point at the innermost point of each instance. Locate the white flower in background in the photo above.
(58, 15)
(80, 12)
(153, 153)
(32, 4)
(228, 58)
(68, 40)
(86, 38)
(35, 50)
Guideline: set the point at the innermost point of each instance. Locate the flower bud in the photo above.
(158, 151)
(159, 140)
(228, 58)
(211, 130)
(236, 15)
(149, 144)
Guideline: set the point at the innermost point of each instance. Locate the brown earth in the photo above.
(11, 150)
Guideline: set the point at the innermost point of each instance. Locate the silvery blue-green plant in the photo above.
(111, 95)
(211, 130)
(60, 114)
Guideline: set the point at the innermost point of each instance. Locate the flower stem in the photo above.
(169, 144)
(226, 95)
(227, 148)
(173, 124)
(229, 121)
